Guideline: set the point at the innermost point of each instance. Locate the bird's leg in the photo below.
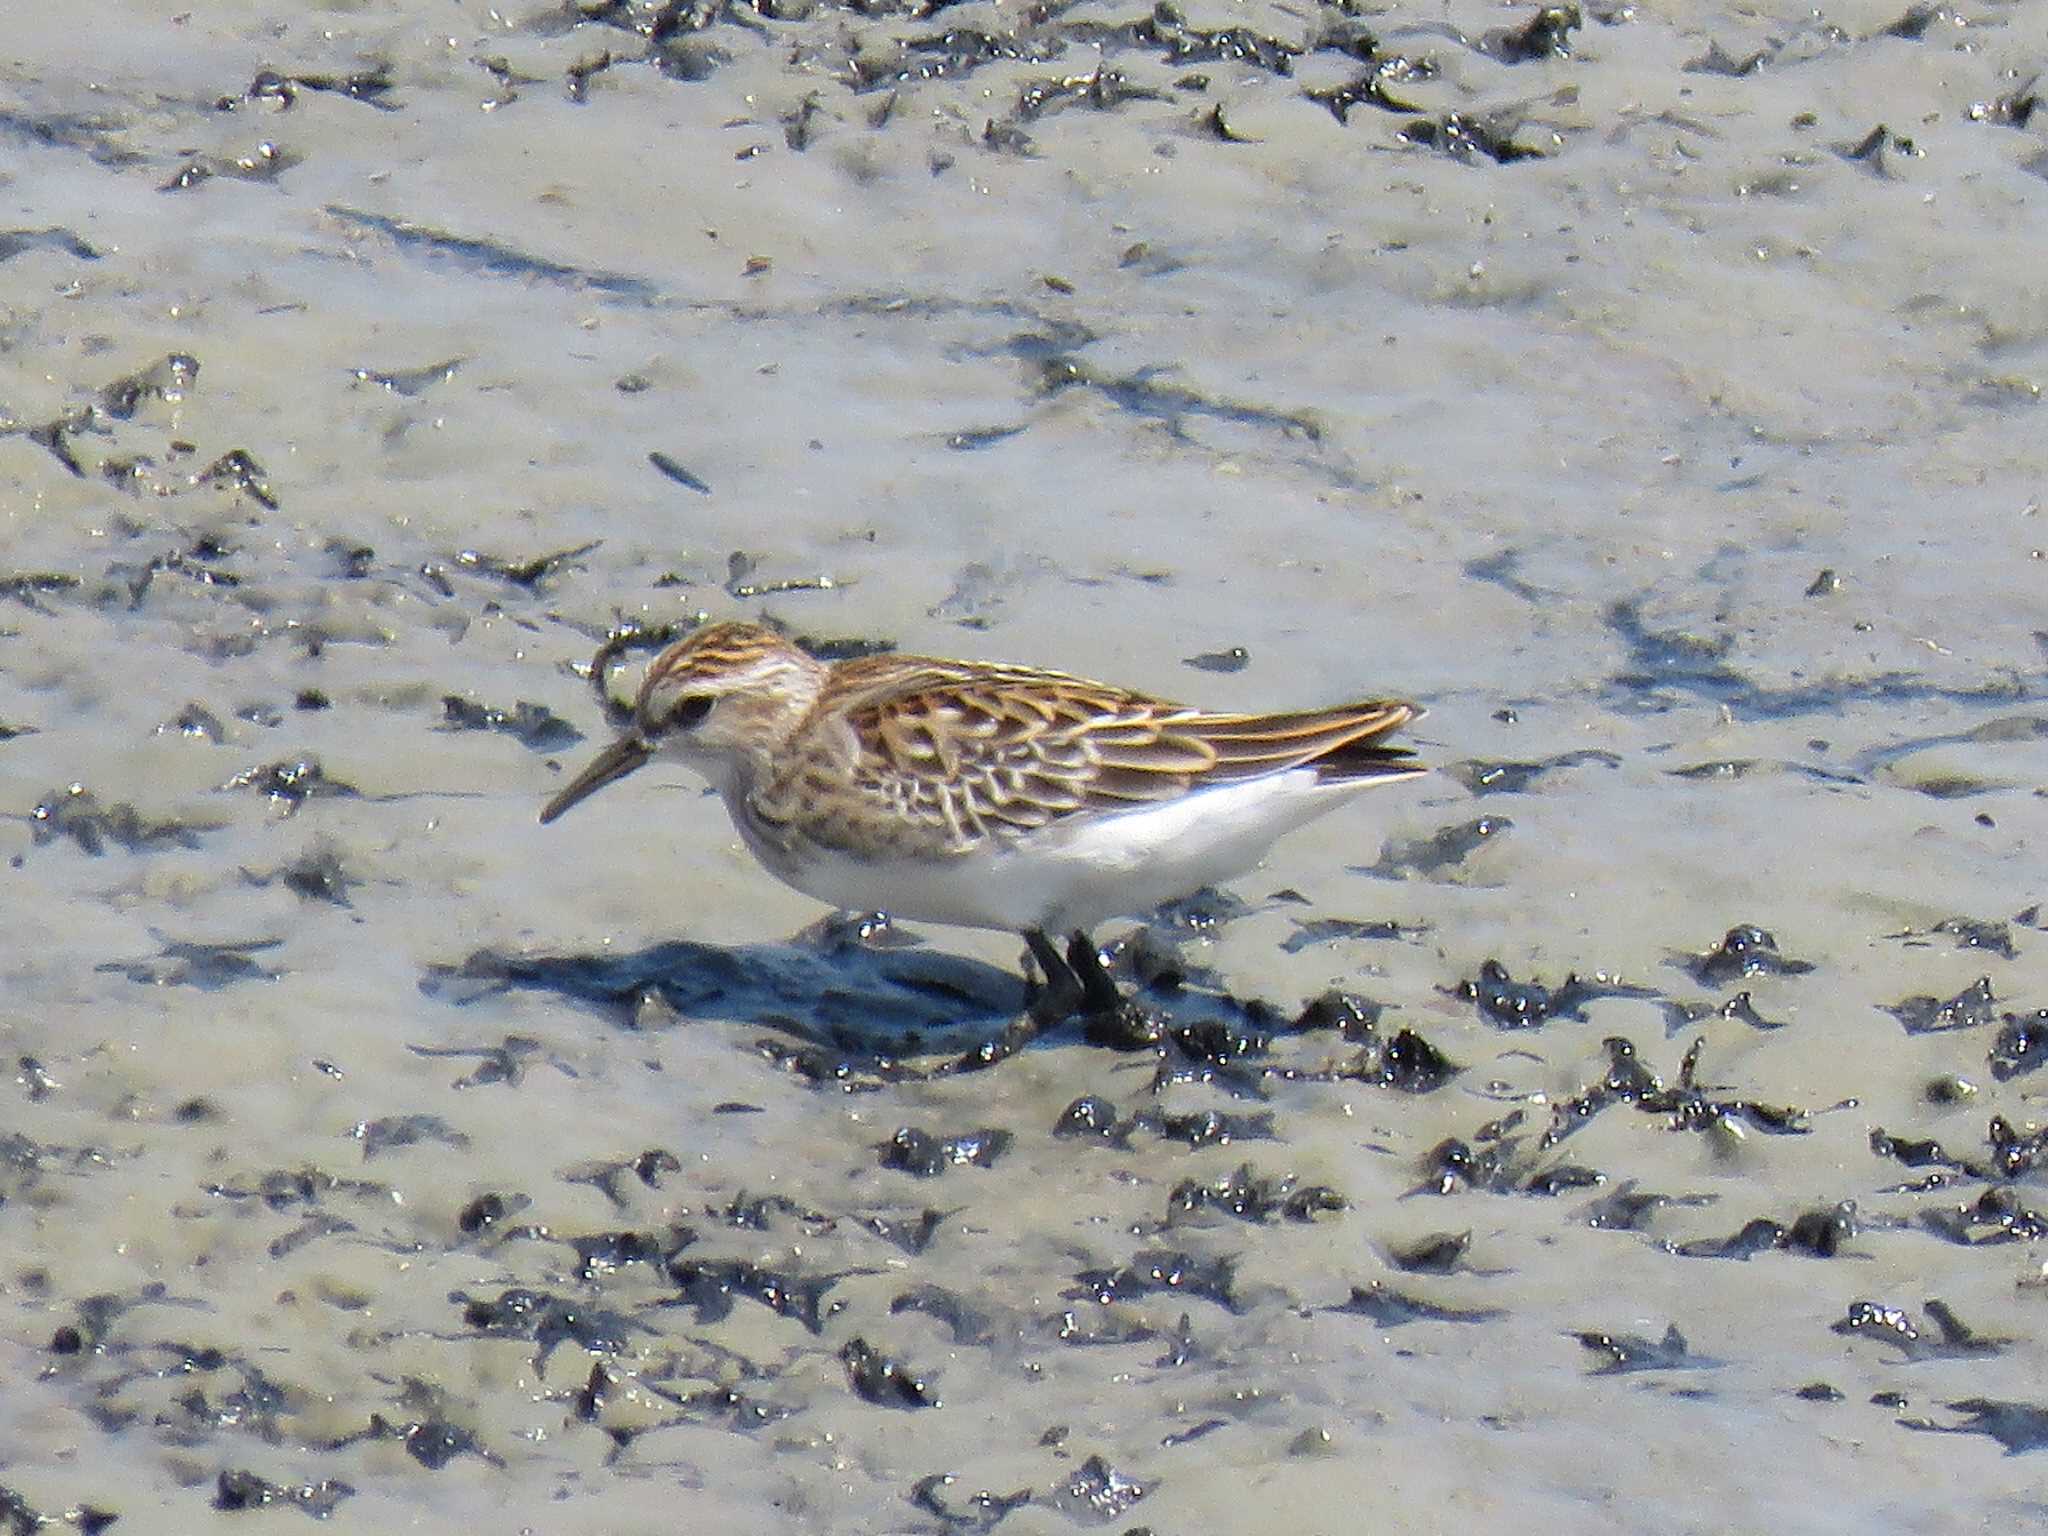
(1064, 992)
(1099, 993)
(1076, 986)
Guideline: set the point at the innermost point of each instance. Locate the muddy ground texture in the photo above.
(1639, 1121)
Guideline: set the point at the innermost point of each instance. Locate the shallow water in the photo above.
(1699, 452)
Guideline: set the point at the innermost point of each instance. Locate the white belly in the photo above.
(1082, 871)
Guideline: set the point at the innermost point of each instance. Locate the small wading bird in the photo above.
(984, 795)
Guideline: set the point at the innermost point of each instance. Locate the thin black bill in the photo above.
(614, 762)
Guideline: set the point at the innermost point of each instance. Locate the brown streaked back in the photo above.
(968, 751)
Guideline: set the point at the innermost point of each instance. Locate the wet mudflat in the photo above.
(1633, 1125)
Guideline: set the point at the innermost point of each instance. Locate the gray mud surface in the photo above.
(1653, 392)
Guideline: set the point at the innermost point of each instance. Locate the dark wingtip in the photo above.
(1359, 763)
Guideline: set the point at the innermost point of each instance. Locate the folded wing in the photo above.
(1001, 752)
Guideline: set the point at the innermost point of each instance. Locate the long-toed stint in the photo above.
(985, 795)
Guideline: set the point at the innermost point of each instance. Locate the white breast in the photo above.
(1080, 871)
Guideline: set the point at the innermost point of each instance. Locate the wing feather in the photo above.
(957, 753)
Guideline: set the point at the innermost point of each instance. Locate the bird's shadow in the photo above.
(830, 988)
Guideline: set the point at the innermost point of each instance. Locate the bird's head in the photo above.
(722, 701)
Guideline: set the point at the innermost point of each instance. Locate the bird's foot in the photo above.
(1076, 985)
(1099, 993)
(1061, 993)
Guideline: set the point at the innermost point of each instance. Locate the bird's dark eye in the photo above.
(690, 710)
